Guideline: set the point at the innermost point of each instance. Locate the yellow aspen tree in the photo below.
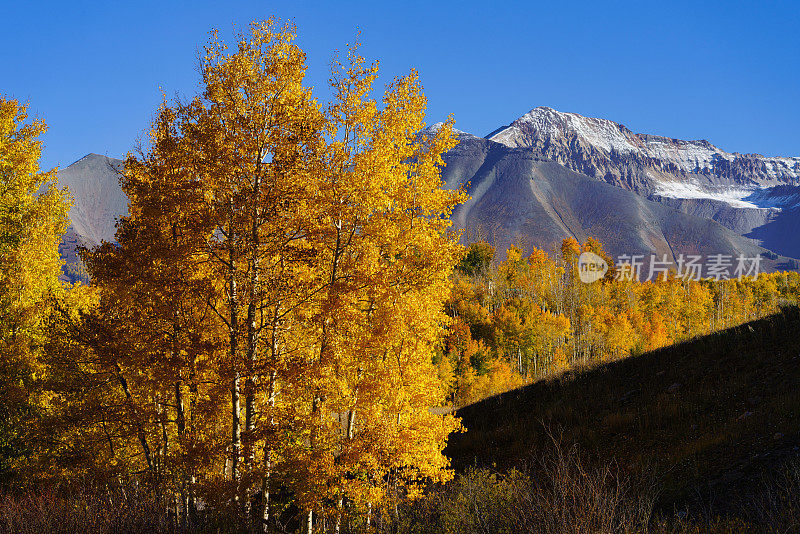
(220, 206)
(257, 141)
(383, 257)
(297, 259)
(259, 124)
(153, 298)
(33, 216)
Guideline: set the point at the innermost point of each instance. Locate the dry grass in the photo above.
(84, 511)
(777, 506)
(94, 510)
(563, 495)
(558, 495)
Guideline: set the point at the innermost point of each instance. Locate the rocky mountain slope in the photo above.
(753, 195)
(98, 200)
(550, 175)
(517, 197)
(646, 163)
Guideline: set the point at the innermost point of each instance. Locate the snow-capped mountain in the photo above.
(517, 197)
(647, 164)
(748, 193)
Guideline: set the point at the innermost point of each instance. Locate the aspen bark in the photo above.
(233, 300)
(310, 522)
(272, 389)
(252, 328)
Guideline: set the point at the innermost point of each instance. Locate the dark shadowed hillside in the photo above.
(713, 415)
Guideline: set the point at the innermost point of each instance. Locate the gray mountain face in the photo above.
(98, 201)
(747, 193)
(519, 198)
(645, 163)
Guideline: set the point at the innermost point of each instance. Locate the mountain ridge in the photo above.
(545, 125)
(518, 198)
(755, 196)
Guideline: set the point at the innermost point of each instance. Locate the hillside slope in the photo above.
(713, 415)
(744, 192)
(519, 198)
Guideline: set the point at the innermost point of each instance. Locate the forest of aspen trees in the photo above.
(530, 316)
(286, 302)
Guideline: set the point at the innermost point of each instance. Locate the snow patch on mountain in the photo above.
(544, 127)
(435, 127)
(547, 122)
(740, 198)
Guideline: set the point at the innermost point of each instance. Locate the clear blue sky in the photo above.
(728, 72)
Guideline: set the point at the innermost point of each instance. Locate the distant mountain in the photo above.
(753, 195)
(98, 201)
(517, 197)
(646, 163)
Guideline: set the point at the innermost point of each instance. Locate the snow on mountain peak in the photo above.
(435, 127)
(562, 135)
(601, 133)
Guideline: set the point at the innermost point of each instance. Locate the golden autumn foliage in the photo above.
(285, 318)
(537, 318)
(263, 330)
(33, 216)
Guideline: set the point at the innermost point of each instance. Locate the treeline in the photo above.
(530, 316)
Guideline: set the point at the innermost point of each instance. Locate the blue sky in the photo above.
(728, 72)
